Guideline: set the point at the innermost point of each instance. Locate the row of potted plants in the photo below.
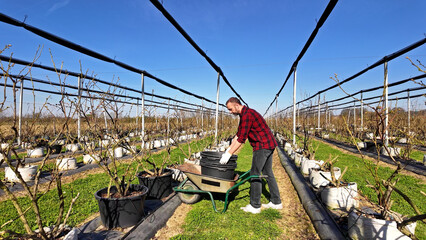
(363, 223)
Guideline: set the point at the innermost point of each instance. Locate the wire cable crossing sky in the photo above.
(169, 17)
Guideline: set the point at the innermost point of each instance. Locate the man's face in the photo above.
(232, 107)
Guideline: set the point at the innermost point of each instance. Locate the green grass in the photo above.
(417, 155)
(203, 223)
(357, 172)
(86, 204)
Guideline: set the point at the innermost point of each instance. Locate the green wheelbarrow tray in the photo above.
(195, 184)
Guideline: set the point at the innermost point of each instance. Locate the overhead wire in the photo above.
(421, 76)
(169, 17)
(374, 65)
(66, 43)
(32, 79)
(311, 38)
(84, 76)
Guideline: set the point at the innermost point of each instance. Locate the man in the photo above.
(253, 126)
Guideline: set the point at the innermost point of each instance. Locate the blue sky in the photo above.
(254, 42)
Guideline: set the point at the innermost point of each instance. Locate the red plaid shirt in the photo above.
(254, 127)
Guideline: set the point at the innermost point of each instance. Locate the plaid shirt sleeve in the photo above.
(254, 127)
(244, 128)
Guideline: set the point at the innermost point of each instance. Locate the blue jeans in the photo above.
(262, 163)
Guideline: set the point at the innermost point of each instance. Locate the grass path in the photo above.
(202, 222)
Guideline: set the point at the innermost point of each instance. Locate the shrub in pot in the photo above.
(319, 176)
(370, 226)
(384, 185)
(66, 164)
(344, 196)
(307, 165)
(56, 148)
(121, 211)
(158, 178)
(159, 182)
(121, 204)
(90, 159)
(72, 147)
(35, 152)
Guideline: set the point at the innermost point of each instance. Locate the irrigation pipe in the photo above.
(311, 38)
(91, 78)
(176, 107)
(370, 98)
(61, 41)
(364, 103)
(325, 226)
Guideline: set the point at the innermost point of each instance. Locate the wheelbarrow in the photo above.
(195, 184)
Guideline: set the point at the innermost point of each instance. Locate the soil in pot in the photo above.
(119, 211)
(159, 186)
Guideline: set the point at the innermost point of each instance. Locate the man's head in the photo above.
(234, 105)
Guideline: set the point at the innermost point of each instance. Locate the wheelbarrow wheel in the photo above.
(189, 198)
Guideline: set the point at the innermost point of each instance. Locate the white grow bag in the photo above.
(66, 164)
(28, 173)
(361, 227)
(36, 152)
(342, 197)
(308, 164)
(317, 180)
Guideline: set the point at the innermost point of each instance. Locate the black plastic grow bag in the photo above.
(121, 212)
(159, 187)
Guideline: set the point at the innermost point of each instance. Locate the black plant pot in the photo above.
(122, 212)
(56, 149)
(159, 187)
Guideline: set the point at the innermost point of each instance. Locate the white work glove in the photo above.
(225, 158)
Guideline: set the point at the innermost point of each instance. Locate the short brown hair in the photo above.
(233, 100)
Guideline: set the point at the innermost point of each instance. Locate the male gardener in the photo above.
(253, 126)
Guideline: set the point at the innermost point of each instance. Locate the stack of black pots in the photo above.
(211, 166)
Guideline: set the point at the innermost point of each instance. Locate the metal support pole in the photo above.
(168, 121)
(221, 118)
(276, 114)
(202, 115)
(106, 123)
(21, 98)
(409, 114)
(298, 115)
(79, 110)
(386, 103)
(143, 109)
(217, 107)
(294, 106)
(326, 115)
(319, 111)
(362, 113)
(354, 115)
(137, 114)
